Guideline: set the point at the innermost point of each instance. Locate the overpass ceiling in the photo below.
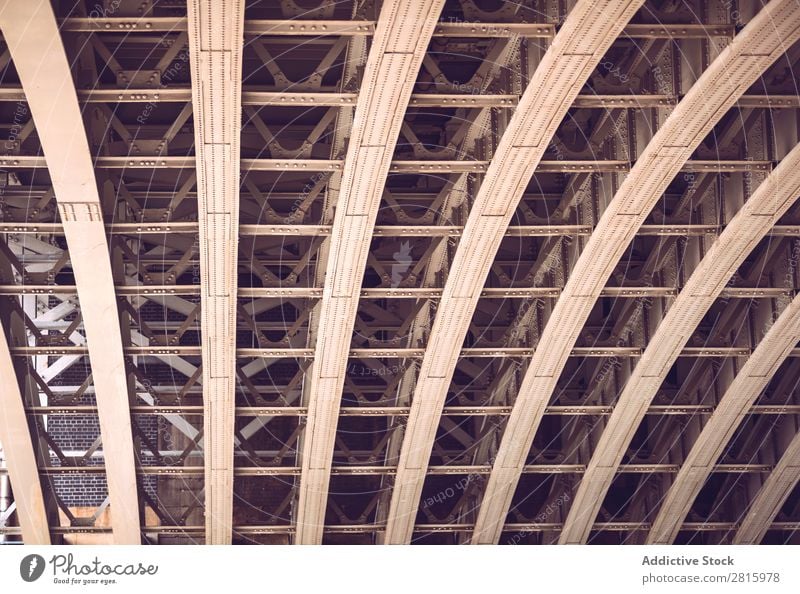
(295, 335)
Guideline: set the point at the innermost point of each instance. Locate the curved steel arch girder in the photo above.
(215, 52)
(17, 445)
(774, 348)
(32, 34)
(586, 35)
(772, 495)
(402, 34)
(735, 69)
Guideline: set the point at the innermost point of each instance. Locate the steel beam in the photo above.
(377, 352)
(389, 293)
(309, 230)
(215, 49)
(591, 410)
(193, 532)
(32, 34)
(338, 99)
(359, 470)
(582, 41)
(401, 39)
(759, 44)
(396, 167)
(329, 27)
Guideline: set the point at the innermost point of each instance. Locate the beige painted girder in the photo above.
(768, 35)
(771, 497)
(743, 391)
(356, 59)
(401, 38)
(32, 34)
(589, 30)
(17, 445)
(216, 32)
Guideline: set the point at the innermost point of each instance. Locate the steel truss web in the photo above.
(418, 271)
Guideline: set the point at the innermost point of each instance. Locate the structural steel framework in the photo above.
(749, 382)
(771, 497)
(399, 271)
(736, 68)
(767, 204)
(21, 461)
(580, 44)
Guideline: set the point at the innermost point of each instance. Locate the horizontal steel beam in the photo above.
(376, 353)
(262, 530)
(258, 98)
(400, 411)
(397, 167)
(308, 230)
(391, 293)
(301, 230)
(354, 470)
(319, 28)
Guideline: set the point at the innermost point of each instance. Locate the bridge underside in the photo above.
(302, 68)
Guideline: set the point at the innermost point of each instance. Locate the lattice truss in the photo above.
(515, 272)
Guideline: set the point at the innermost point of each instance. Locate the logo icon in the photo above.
(31, 567)
(402, 263)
